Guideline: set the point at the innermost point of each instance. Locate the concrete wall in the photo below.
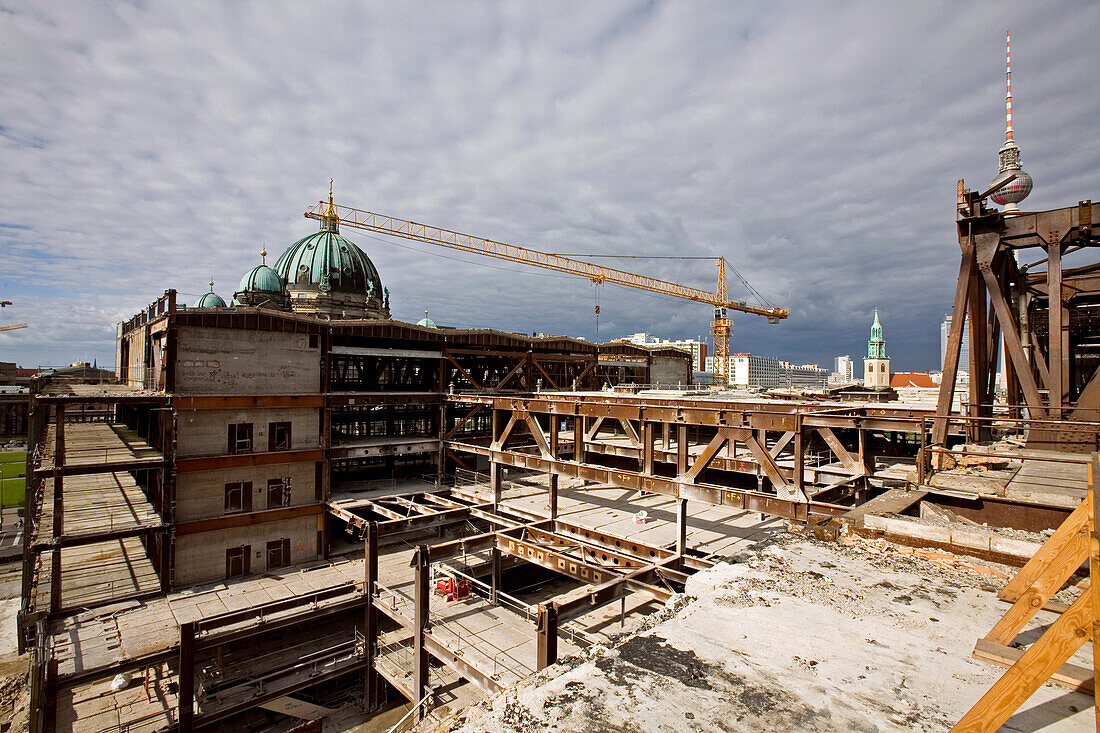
(205, 432)
(201, 557)
(669, 371)
(201, 494)
(223, 361)
(135, 364)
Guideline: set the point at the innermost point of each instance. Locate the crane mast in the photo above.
(396, 227)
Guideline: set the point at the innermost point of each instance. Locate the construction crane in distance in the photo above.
(13, 326)
(598, 274)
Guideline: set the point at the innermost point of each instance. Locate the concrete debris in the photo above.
(800, 635)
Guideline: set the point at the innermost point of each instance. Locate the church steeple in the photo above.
(876, 372)
(876, 345)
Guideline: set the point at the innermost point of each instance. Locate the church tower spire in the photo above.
(877, 364)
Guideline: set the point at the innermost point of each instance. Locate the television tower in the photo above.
(1018, 189)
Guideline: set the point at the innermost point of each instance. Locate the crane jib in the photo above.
(394, 226)
(720, 326)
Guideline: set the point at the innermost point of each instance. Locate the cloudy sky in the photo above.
(816, 146)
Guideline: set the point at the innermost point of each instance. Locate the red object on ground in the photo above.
(451, 590)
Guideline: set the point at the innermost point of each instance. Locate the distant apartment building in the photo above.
(964, 353)
(750, 370)
(843, 369)
(697, 349)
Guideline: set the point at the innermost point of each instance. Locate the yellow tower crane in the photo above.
(598, 274)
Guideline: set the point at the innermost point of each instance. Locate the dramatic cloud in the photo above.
(816, 146)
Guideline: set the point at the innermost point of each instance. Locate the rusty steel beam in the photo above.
(636, 481)
(240, 402)
(247, 460)
(248, 519)
(467, 670)
(707, 413)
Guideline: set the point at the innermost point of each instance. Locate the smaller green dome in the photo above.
(210, 300)
(261, 278)
(426, 322)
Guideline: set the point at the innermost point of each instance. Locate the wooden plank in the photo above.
(1093, 592)
(1042, 559)
(894, 501)
(1073, 676)
(1058, 571)
(1034, 667)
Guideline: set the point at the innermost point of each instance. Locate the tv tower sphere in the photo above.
(1009, 154)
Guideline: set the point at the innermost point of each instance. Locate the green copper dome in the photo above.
(261, 278)
(327, 262)
(210, 300)
(427, 322)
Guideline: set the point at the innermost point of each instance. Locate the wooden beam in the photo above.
(1042, 559)
(1057, 572)
(1042, 659)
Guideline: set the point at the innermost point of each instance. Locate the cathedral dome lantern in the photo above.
(261, 286)
(210, 299)
(328, 275)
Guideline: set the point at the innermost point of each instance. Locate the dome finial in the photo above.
(331, 222)
(211, 284)
(263, 255)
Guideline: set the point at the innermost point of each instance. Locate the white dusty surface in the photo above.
(798, 636)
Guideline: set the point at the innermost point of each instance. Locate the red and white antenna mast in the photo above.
(1017, 190)
(1008, 86)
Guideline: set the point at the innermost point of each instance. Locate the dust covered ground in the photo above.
(799, 635)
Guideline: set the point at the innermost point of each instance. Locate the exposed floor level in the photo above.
(498, 640)
(796, 636)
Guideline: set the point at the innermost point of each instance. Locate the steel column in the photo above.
(497, 574)
(185, 716)
(372, 684)
(547, 635)
(421, 597)
(58, 507)
(681, 527)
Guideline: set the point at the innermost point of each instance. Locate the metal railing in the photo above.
(409, 719)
